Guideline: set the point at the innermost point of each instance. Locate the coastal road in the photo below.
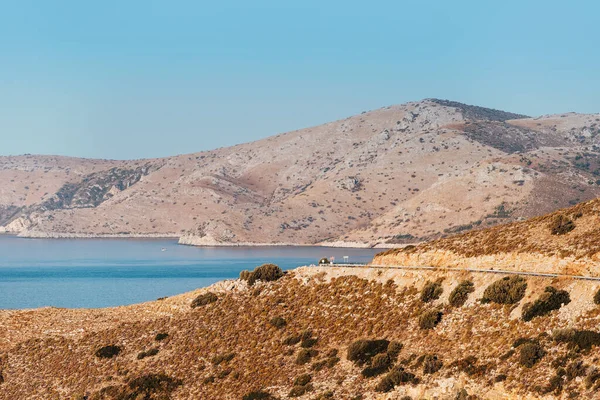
(483, 271)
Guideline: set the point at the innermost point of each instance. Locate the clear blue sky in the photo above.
(132, 79)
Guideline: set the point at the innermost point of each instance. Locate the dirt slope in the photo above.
(398, 174)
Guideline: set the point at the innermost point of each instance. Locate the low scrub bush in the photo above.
(204, 299)
(161, 336)
(379, 364)
(298, 391)
(394, 349)
(151, 386)
(429, 319)
(278, 322)
(469, 366)
(561, 225)
(221, 358)
(149, 353)
(597, 297)
(302, 380)
(328, 394)
(431, 291)
(531, 354)
(292, 340)
(460, 293)
(305, 355)
(398, 376)
(578, 339)
(550, 300)
(432, 364)
(258, 395)
(265, 273)
(109, 351)
(362, 351)
(508, 290)
(523, 340)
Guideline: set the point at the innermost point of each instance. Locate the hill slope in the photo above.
(398, 174)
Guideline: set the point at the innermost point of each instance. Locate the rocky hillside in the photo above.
(565, 241)
(318, 333)
(394, 175)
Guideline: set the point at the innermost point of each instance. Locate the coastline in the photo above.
(196, 241)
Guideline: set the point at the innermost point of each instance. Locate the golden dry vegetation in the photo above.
(228, 348)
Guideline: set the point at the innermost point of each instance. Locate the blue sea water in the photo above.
(105, 272)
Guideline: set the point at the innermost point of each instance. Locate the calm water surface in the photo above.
(106, 272)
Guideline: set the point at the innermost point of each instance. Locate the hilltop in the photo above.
(399, 174)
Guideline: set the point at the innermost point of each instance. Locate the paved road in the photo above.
(485, 271)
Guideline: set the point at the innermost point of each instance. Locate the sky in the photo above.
(139, 79)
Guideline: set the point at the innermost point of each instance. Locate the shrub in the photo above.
(394, 349)
(379, 364)
(431, 364)
(204, 299)
(508, 290)
(561, 225)
(161, 336)
(592, 378)
(305, 355)
(362, 351)
(292, 340)
(431, 291)
(302, 380)
(550, 300)
(460, 294)
(395, 378)
(325, 395)
(298, 391)
(469, 366)
(258, 395)
(523, 340)
(278, 322)
(575, 369)
(531, 353)
(597, 297)
(265, 273)
(149, 353)
(581, 340)
(429, 319)
(108, 351)
(147, 386)
(221, 358)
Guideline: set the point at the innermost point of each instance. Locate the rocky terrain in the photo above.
(400, 174)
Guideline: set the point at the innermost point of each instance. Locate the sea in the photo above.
(93, 273)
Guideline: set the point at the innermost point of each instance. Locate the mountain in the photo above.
(331, 332)
(399, 174)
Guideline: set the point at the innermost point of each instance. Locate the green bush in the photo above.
(302, 380)
(362, 351)
(278, 322)
(431, 291)
(379, 364)
(292, 340)
(327, 395)
(161, 336)
(149, 353)
(460, 294)
(109, 351)
(204, 299)
(298, 391)
(429, 319)
(579, 339)
(531, 354)
(305, 355)
(597, 297)
(396, 377)
(265, 273)
(258, 395)
(508, 290)
(469, 366)
(561, 225)
(150, 386)
(550, 300)
(431, 364)
(221, 358)
(394, 349)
